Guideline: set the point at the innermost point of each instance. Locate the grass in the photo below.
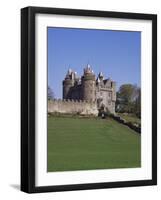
(82, 144)
(130, 118)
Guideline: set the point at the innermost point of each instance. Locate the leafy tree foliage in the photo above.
(129, 99)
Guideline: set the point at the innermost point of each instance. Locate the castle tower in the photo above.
(68, 82)
(88, 85)
(113, 85)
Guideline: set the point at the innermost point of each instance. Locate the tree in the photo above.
(127, 98)
(127, 92)
(50, 94)
(138, 104)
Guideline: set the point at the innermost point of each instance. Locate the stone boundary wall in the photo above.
(135, 127)
(72, 107)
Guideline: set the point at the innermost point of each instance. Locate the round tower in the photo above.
(88, 85)
(68, 82)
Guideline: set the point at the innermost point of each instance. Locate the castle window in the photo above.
(109, 94)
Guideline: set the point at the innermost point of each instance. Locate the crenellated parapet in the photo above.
(89, 89)
(81, 107)
(72, 101)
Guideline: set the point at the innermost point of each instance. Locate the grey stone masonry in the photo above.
(91, 89)
(73, 107)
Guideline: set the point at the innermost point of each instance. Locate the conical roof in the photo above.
(100, 75)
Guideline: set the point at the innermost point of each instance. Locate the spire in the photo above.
(88, 66)
(88, 70)
(69, 71)
(100, 75)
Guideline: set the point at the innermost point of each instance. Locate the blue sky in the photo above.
(116, 53)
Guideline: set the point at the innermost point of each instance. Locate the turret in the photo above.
(88, 84)
(68, 82)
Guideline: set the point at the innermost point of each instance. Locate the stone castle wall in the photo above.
(89, 88)
(72, 107)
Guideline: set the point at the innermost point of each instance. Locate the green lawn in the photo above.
(82, 144)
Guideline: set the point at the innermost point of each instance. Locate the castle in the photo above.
(88, 88)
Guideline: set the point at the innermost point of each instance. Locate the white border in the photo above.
(91, 176)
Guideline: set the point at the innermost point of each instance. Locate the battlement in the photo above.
(81, 107)
(72, 101)
(89, 89)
